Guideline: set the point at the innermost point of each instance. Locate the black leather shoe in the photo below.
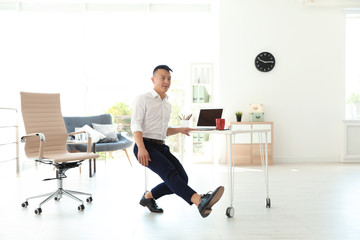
(208, 200)
(150, 204)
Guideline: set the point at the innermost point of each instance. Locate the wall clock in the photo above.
(265, 62)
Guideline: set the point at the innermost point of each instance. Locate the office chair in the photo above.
(46, 142)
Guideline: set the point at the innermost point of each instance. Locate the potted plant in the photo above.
(238, 116)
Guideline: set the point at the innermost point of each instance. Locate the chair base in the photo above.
(61, 168)
(57, 195)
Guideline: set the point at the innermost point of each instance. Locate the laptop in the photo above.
(207, 118)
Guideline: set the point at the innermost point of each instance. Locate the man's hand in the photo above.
(143, 157)
(183, 130)
(186, 130)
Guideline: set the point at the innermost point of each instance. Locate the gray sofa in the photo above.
(77, 122)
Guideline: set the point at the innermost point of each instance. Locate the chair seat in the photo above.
(59, 157)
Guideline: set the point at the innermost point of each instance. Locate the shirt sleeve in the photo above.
(138, 114)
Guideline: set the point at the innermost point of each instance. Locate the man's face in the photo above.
(162, 81)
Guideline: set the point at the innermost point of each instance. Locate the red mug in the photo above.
(220, 123)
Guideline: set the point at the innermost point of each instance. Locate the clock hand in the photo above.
(268, 61)
(265, 61)
(261, 60)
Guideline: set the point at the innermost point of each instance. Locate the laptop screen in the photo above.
(207, 117)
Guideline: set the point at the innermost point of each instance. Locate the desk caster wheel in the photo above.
(81, 207)
(230, 212)
(268, 203)
(38, 211)
(25, 204)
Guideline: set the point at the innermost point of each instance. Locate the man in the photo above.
(149, 125)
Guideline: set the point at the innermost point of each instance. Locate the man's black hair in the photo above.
(165, 67)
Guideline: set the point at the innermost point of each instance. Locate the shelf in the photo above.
(201, 90)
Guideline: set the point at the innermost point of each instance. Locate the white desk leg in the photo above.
(264, 164)
(230, 211)
(268, 202)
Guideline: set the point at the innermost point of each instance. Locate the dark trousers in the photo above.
(170, 170)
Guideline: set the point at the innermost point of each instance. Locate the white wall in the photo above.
(304, 94)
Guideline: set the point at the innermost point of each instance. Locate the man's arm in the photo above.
(143, 155)
(183, 130)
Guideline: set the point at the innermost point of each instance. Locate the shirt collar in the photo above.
(155, 94)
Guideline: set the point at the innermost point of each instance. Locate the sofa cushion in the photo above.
(109, 130)
(95, 135)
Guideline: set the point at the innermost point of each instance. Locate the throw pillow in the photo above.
(109, 130)
(95, 135)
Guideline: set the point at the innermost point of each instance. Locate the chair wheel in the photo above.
(81, 207)
(56, 198)
(89, 199)
(38, 211)
(230, 212)
(25, 204)
(268, 203)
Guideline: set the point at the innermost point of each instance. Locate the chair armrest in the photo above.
(41, 135)
(122, 135)
(88, 148)
(78, 132)
(42, 140)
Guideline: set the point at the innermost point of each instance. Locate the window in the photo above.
(352, 65)
(97, 54)
(103, 54)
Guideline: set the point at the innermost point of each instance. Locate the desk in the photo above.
(91, 172)
(263, 146)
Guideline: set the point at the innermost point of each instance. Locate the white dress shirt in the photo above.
(151, 115)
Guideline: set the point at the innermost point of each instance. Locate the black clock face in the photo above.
(264, 62)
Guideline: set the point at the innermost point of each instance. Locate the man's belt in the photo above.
(160, 142)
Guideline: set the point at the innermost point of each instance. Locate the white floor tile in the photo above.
(309, 201)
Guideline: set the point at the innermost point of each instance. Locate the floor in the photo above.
(309, 201)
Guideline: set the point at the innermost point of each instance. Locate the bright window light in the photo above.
(97, 58)
(352, 65)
